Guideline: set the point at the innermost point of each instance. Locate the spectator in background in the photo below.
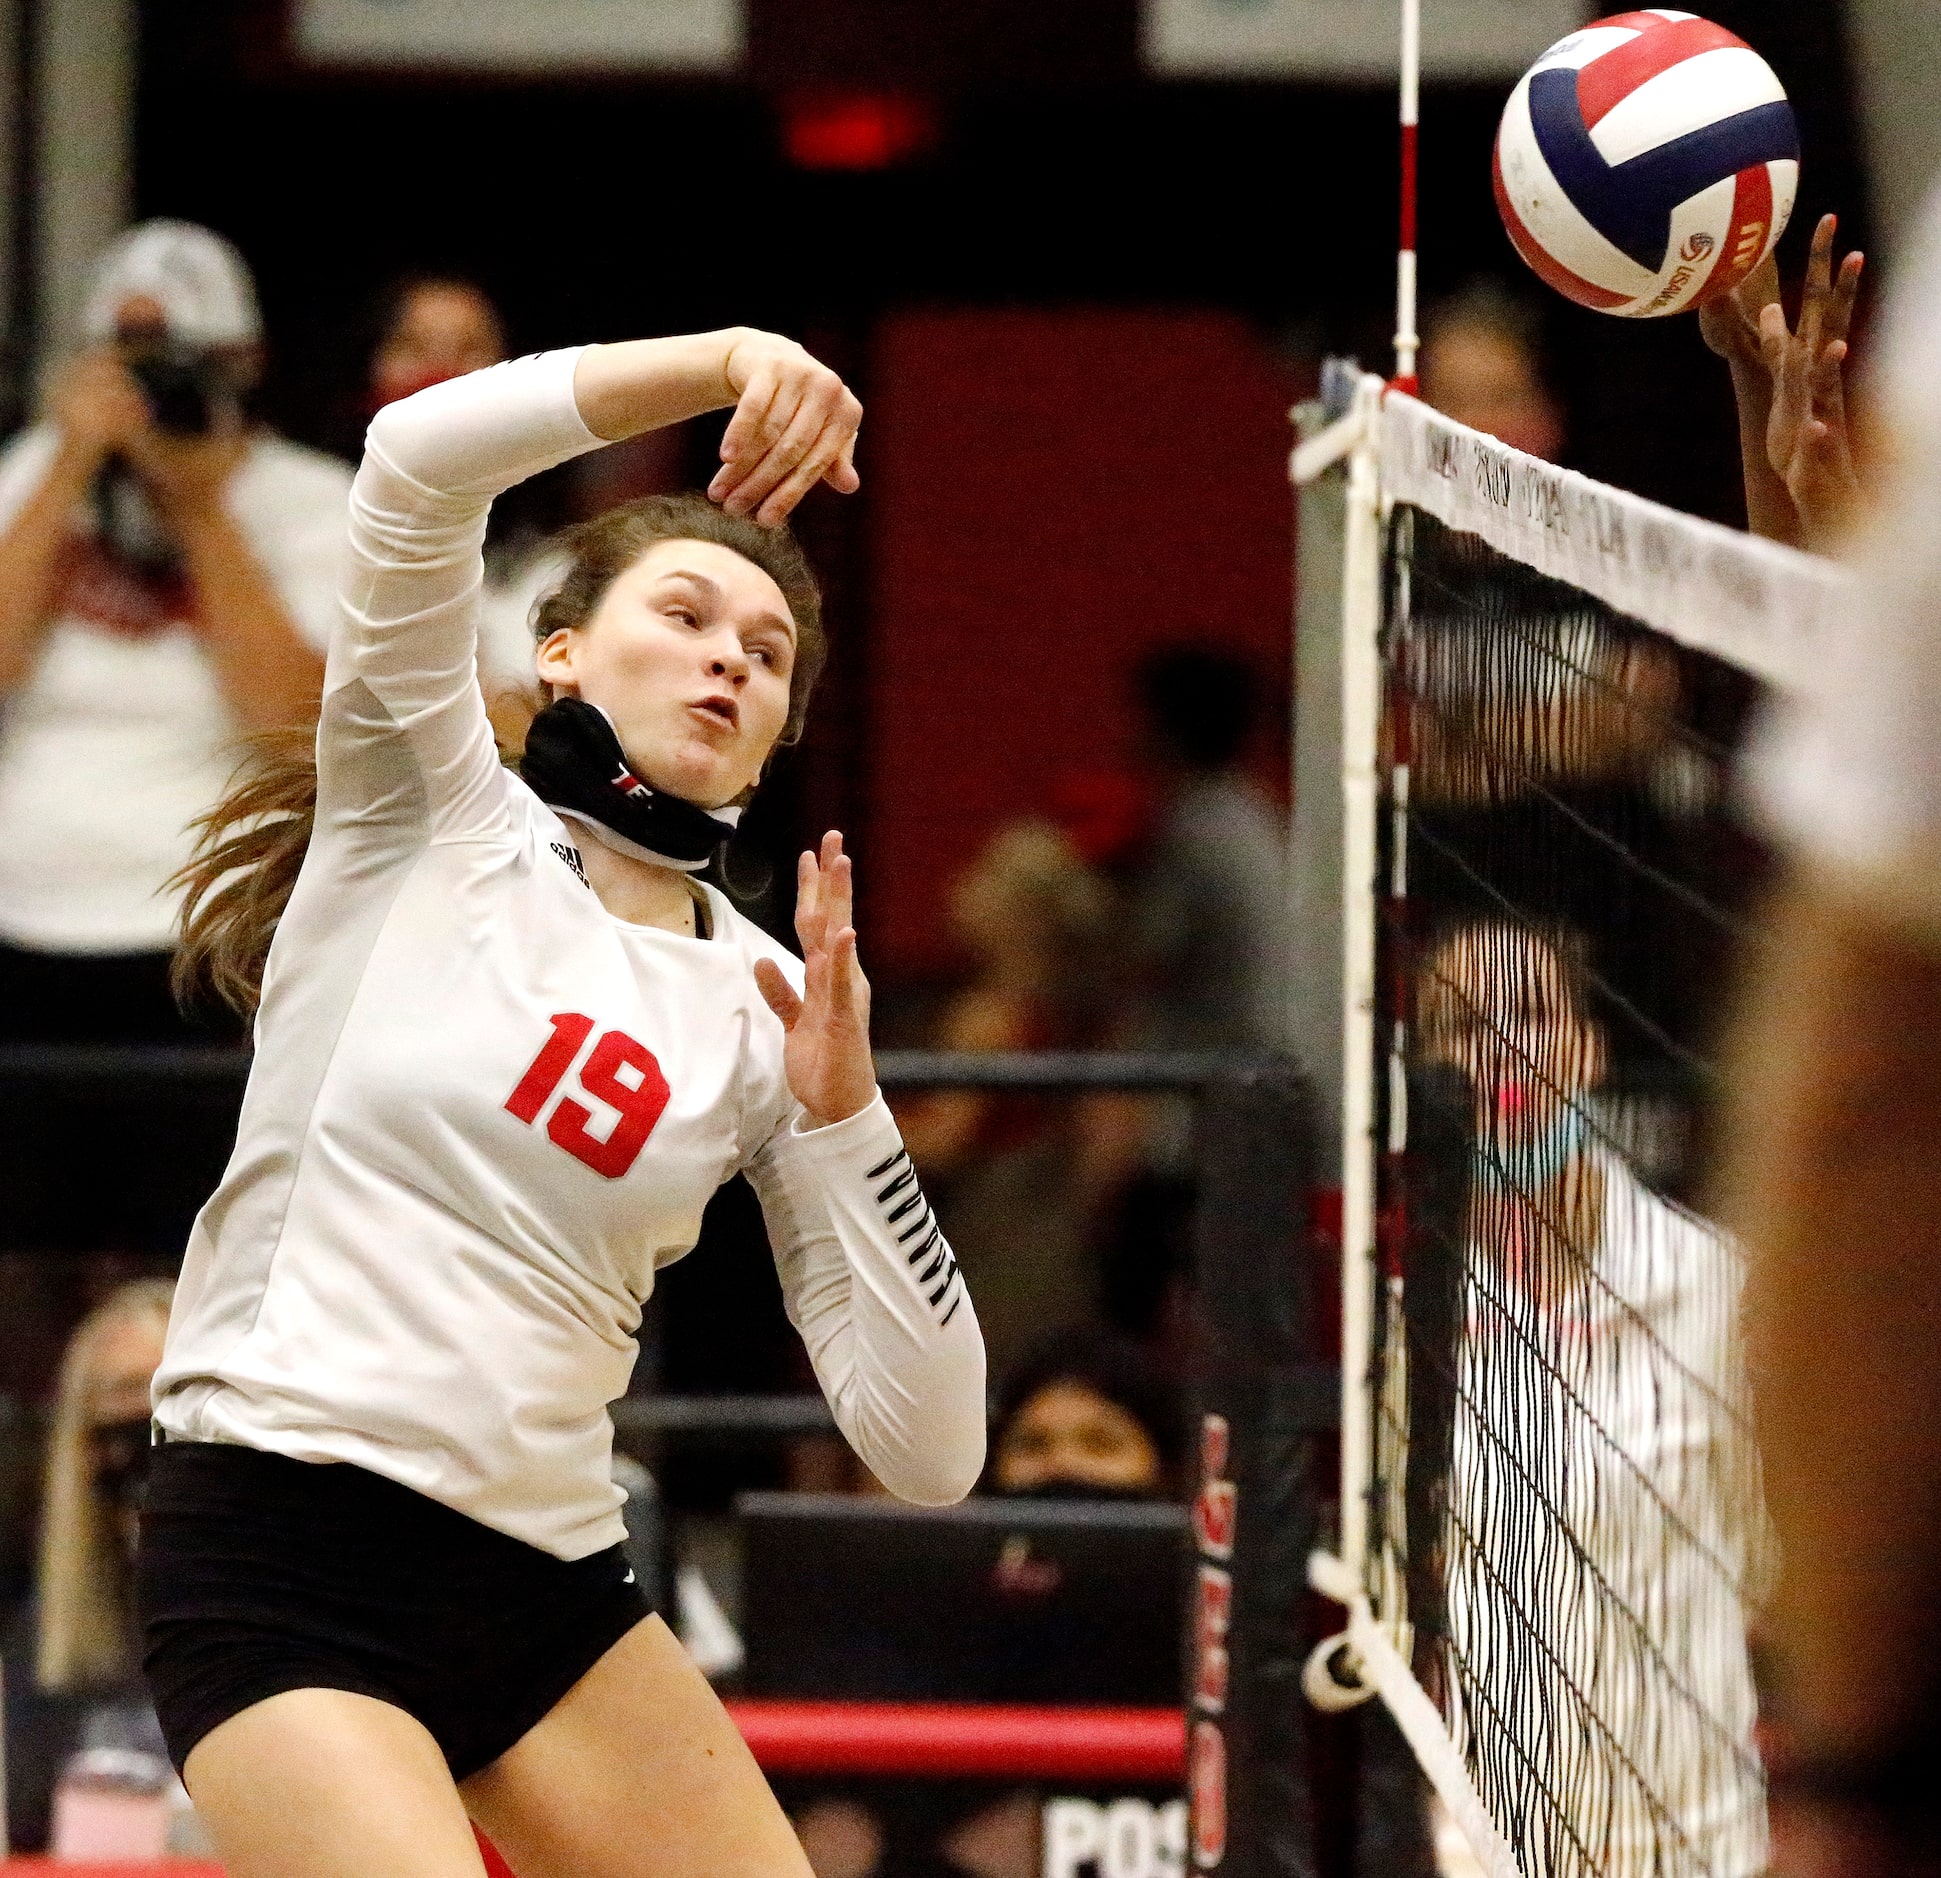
(432, 327)
(1085, 1415)
(167, 570)
(1031, 915)
(1601, 1323)
(1034, 919)
(1592, 706)
(71, 1653)
(1482, 364)
(1081, 1415)
(1208, 908)
(1526, 760)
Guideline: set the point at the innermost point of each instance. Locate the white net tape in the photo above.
(1764, 608)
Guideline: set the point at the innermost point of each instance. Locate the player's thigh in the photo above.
(637, 1770)
(321, 1783)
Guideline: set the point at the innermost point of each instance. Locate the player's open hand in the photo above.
(1807, 438)
(830, 1069)
(794, 426)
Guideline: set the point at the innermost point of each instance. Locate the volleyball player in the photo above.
(507, 1048)
(1837, 1165)
(1603, 1509)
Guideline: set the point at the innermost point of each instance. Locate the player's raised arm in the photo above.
(1730, 326)
(1789, 384)
(1807, 441)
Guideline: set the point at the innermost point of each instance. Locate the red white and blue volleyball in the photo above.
(1647, 163)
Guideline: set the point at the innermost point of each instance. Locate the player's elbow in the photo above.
(408, 457)
(941, 1473)
(390, 438)
(935, 1457)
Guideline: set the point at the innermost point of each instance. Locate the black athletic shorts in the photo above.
(259, 1574)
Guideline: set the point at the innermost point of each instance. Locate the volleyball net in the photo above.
(1552, 1533)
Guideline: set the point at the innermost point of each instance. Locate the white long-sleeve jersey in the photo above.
(484, 1112)
(1606, 1529)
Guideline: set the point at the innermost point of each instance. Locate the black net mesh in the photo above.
(1566, 1496)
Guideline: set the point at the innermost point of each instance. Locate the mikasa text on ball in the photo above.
(1647, 163)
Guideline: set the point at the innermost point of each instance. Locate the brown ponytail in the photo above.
(250, 846)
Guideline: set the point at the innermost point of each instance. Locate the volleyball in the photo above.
(1647, 163)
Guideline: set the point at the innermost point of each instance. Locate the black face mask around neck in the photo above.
(573, 762)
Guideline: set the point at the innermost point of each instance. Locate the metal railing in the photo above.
(122, 1070)
(79, 1073)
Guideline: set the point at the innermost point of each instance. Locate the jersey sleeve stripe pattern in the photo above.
(942, 1267)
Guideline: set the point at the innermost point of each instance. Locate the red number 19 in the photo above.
(640, 1103)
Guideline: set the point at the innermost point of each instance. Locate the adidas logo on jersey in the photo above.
(571, 856)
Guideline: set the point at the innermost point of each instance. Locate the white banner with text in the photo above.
(492, 35)
(1350, 39)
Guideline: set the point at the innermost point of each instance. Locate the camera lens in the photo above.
(181, 387)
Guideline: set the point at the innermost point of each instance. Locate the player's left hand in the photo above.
(830, 1069)
(1808, 440)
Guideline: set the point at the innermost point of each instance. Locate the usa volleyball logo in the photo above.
(1647, 163)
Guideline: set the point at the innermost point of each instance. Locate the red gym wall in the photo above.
(1052, 493)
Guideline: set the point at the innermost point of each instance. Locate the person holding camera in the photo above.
(165, 584)
(166, 577)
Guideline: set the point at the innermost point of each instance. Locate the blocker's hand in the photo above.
(794, 426)
(1730, 323)
(830, 1069)
(1807, 438)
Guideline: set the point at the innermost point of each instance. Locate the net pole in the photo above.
(1407, 341)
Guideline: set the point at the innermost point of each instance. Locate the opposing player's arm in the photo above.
(1835, 1185)
(1789, 383)
(1730, 325)
(1808, 441)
